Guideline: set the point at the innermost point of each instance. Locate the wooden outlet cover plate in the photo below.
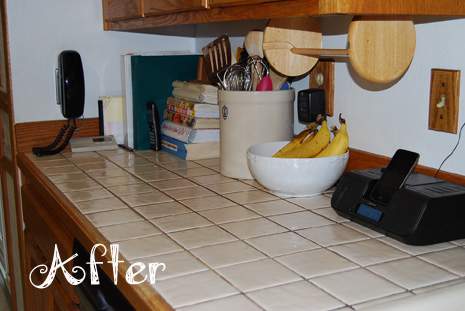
(322, 77)
(444, 100)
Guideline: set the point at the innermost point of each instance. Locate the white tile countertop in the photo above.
(230, 245)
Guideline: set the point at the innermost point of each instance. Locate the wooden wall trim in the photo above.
(41, 133)
(363, 160)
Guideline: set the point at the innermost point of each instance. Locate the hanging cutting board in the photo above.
(380, 50)
(302, 32)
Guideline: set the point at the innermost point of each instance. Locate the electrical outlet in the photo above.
(322, 77)
(444, 100)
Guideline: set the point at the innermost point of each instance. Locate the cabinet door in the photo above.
(160, 7)
(223, 3)
(114, 10)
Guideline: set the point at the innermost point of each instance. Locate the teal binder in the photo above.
(152, 78)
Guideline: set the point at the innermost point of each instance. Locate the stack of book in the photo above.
(190, 129)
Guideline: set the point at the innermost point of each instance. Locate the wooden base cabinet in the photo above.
(42, 232)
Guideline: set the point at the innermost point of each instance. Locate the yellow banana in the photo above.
(340, 143)
(311, 147)
(296, 141)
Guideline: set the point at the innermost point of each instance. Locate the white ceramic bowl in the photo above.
(294, 177)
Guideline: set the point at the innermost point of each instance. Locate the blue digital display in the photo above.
(369, 212)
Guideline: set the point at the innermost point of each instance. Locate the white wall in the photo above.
(397, 117)
(40, 30)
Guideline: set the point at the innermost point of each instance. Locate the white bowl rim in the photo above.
(249, 152)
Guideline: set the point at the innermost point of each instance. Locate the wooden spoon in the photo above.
(380, 50)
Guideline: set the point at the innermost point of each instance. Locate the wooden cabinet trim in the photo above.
(160, 7)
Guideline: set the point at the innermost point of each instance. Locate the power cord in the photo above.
(452, 152)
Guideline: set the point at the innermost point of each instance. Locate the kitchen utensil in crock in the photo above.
(380, 49)
(217, 57)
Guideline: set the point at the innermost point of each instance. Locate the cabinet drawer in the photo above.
(160, 7)
(223, 3)
(114, 10)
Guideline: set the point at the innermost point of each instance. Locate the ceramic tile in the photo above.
(250, 197)
(382, 301)
(315, 263)
(177, 264)
(100, 205)
(131, 162)
(297, 296)
(82, 156)
(189, 193)
(87, 195)
(274, 208)
(199, 237)
(131, 189)
(120, 216)
(253, 228)
(68, 177)
(180, 165)
(53, 163)
(227, 254)
(148, 246)
(45, 159)
(438, 286)
(311, 203)
(413, 249)
(233, 303)
(85, 184)
(194, 288)
(209, 162)
(329, 212)
(356, 286)
(368, 252)
(162, 210)
(127, 231)
(146, 198)
(258, 274)
(181, 222)
(118, 181)
(411, 273)
(229, 214)
(332, 235)
(363, 229)
(212, 179)
(201, 204)
(147, 168)
(157, 175)
(195, 172)
(172, 184)
(108, 173)
(253, 183)
(301, 220)
(281, 244)
(459, 242)
(56, 170)
(452, 260)
(230, 187)
(162, 157)
(97, 166)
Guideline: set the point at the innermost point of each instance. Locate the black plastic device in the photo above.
(311, 104)
(403, 163)
(70, 92)
(425, 210)
(70, 84)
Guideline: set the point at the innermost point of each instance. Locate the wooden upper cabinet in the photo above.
(160, 7)
(115, 10)
(223, 3)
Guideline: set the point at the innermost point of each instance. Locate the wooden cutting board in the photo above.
(380, 50)
(302, 32)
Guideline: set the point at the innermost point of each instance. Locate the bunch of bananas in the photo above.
(314, 143)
